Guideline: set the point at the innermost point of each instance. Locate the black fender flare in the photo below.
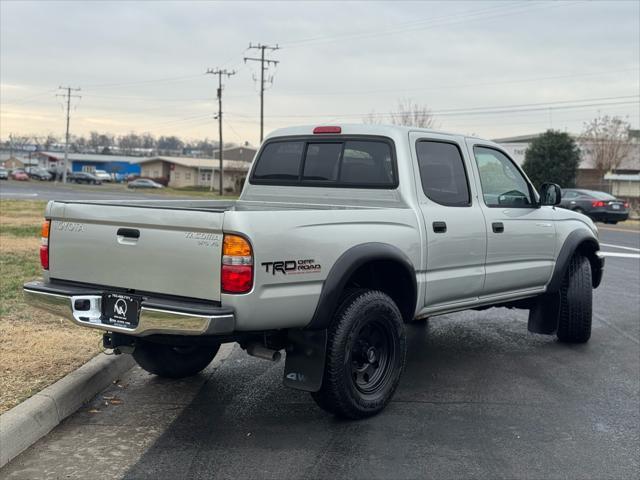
(588, 245)
(345, 266)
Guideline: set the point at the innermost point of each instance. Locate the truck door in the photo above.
(521, 235)
(456, 237)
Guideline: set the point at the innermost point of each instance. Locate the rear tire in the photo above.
(366, 355)
(171, 361)
(576, 297)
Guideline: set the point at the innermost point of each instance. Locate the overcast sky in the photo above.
(141, 65)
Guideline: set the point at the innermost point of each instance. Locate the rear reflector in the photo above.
(236, 274)
(44, 245)
(327, 130)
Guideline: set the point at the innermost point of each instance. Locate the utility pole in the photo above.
(262, 61)
(219, 73)
(66, 142)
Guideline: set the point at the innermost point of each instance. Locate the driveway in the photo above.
(481, 398)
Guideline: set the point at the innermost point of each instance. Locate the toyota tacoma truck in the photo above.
(341, 236)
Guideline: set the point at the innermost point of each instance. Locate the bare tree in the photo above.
(410, 114)
(372, 118)
(606, 139)
(407, 113)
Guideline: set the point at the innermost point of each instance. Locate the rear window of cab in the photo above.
(327, 162)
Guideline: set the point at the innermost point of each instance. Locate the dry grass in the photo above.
(36, 348)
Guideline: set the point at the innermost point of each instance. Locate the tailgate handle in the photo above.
(129, 233)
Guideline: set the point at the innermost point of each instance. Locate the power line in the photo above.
(219, 72)
(262, 61)
(481, 14)
(144, 82)
(463, 85)
(68, 96)
(485, 109)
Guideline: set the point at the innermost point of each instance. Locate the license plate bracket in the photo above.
(121, 310)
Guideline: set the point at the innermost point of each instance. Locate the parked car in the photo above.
(143, 183)
(103, 176)
(39, 174)
(19, 175)
(83, 177)
(341, 235)
(4, 174)
(599, 206)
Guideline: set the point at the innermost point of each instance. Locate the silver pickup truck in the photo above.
(342, 234)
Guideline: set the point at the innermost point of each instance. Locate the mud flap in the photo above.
(545, 314)
(304, 366)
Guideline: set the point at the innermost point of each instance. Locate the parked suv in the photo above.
(342, 234)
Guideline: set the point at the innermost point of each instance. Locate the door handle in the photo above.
(128, 232)
(439, 227)
(498, 227)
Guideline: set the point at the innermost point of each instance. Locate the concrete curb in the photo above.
(31, 420)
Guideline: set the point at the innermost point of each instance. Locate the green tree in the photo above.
(552, 157)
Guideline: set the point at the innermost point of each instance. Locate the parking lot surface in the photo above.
(481, 398)
(35, 190)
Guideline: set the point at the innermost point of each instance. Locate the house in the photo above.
(244, 153)
(90, 162)
(588, 176)
(181, 172)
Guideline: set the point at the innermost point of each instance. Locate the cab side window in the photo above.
(444, 179)
(502, 183)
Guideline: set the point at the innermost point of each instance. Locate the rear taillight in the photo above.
(597, 204)
(626, 204)
(237, 265)
(44, 245)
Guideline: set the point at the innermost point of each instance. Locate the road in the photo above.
(481, 398)
(34, 190)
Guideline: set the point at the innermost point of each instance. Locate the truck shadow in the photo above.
(463, 372)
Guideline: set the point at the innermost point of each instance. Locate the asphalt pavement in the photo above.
(36, 190)
(481, 398)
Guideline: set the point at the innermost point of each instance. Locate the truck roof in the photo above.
(360, 129)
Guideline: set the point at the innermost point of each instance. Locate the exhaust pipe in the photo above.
(257, 350)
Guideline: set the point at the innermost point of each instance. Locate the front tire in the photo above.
(366, 355)
(576, 297)
(171, 361)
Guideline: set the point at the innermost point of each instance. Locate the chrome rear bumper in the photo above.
(157, 316)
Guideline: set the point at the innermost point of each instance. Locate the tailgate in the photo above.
(150, 249)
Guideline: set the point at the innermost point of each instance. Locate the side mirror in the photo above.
(550, 194)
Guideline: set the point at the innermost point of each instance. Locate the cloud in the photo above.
(443, 54)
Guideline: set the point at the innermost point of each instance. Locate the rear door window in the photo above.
(444, 179)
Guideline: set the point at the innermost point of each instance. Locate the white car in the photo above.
(103, 176)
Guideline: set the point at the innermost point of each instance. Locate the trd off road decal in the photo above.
(292, 267)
